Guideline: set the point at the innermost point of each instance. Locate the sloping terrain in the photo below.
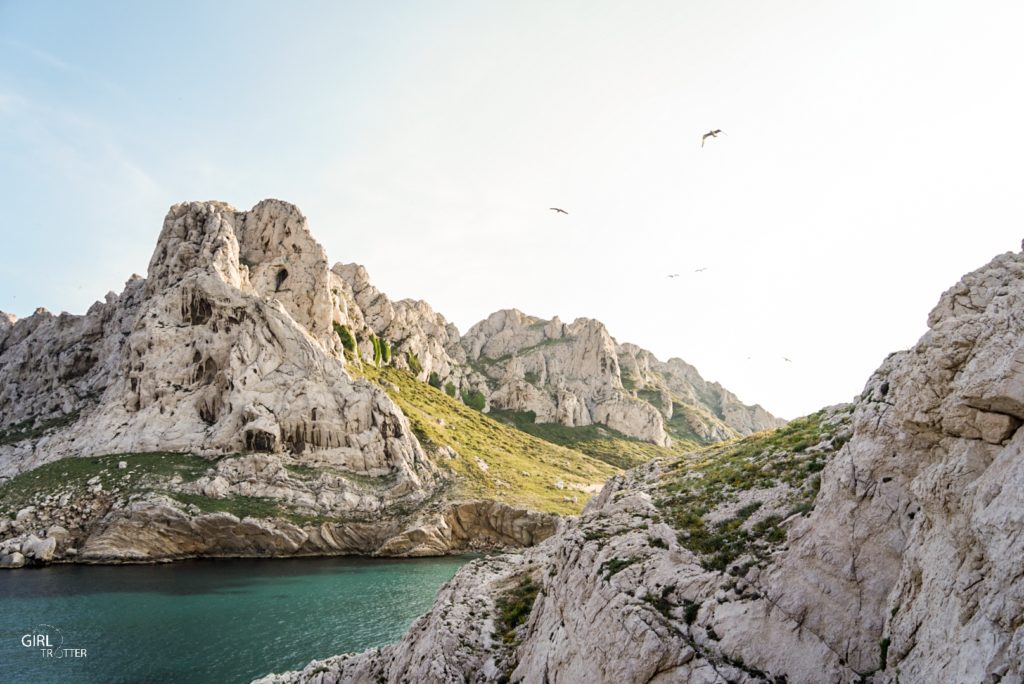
(877, 542)
(245, 399)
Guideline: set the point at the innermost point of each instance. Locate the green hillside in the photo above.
(494, 459)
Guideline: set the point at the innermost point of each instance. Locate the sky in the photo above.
(872, 155)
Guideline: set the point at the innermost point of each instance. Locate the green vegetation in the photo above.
(72, 474)
(700, 482)
(532, 377)
(414, 363)
(514, 607)
(883, 653)
(474, 399)
(449, 389)
(679, 427)
(347, 341)
(517, 468)
(27, 429)
(616, 565)
(241, 506)
(385, 351)
(245, 507)
(375, 341)
(597, 441)
(435, 380)
(652, 397)
(690, 610)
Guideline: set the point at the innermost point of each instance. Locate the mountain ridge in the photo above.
(249, 390)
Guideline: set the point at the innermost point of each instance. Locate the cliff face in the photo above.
(876, 542)
(227, 346)
(572, 374)
(236, 401)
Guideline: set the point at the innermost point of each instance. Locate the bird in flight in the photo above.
(702, 268)
(710, 134)
(673, 275)
(787, 360)
(560, 211)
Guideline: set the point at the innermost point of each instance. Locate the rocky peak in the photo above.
(267, 250)
(227, 347)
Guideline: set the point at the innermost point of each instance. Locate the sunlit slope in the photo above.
(493, 460)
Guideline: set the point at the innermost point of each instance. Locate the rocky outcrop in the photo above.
(691, 406)
(903, 565)
(420, 338)
(243, 353)
(228, 346)
(52, 367)
(576, 374)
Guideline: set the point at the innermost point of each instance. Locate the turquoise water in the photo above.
(206, 621)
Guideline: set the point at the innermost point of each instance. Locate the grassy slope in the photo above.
(597, 441)
(520, 468)
(72, 475)
(697, 483)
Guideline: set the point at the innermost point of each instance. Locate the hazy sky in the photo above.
(873, 155)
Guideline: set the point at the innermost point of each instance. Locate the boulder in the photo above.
(39, 549)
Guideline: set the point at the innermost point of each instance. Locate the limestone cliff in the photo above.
(878, 542)
(571, 374)
(223, 406)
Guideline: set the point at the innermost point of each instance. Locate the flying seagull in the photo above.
(710, 134)
(702, 268)
(673, 275)
(560, 211)
(787, 360)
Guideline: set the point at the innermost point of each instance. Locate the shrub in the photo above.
(474, 399)
(385, 351)
(449, 389)
(690, 610)
(514, 608)
(347, 340)
(435, 380)
(414, 363)
(376, 349)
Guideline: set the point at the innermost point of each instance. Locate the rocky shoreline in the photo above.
(880, 542)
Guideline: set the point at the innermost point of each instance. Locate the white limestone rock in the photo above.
(12, 560)
(39, 549)
(228, 346)
(907, 569)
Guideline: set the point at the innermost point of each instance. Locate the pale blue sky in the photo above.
(873, 156)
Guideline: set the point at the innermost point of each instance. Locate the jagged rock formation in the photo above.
(143, 508)
(572, 374)
(227, 346)
(242, 346)
(905, 565)
(576, 374)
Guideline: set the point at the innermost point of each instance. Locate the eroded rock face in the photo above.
(227, 347)
(56, 366)
(576, 374)
(909, 567)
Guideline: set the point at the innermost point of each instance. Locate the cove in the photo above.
(206, 620)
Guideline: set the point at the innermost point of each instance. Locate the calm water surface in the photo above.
(208, 621)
